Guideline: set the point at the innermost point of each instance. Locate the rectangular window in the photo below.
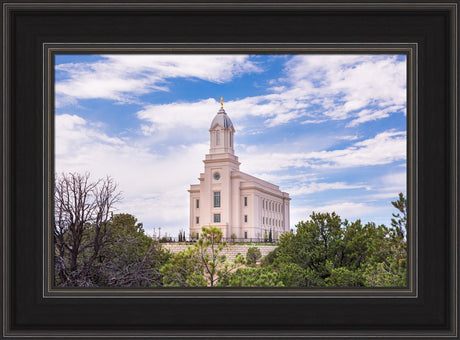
(245, 218)
(217, 199)
(217, 137)
(245, 234)
(231, 139)
(197, 220)
(197, 235)
(197, 203)
(216, 218)
(263, 220)
(245, 201)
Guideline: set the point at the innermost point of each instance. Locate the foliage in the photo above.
(268, 259)
(292, 275)
(201, 265)
(253, 255)
(184, 270)
(387, 274)
(165, 239)
(399, 220)
(94, 247)
(328, 251)
(251, 277)
(181, 236)
(265, 237)
(314, 242)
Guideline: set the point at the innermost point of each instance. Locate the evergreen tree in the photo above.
(399, 220)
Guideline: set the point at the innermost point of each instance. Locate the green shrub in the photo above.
(253, 255)
(268, 259)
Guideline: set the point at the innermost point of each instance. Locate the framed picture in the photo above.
(413, 46)
(362, 171)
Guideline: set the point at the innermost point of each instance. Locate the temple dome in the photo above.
(221, 119)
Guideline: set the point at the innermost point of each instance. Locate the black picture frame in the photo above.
(427, 31)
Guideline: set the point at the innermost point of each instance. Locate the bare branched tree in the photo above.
(82, 208)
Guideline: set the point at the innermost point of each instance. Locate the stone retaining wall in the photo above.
(230, 251)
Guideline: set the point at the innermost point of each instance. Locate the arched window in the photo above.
(217, 137)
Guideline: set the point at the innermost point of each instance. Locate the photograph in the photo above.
(230, 170)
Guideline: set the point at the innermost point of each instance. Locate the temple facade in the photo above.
(230, 199)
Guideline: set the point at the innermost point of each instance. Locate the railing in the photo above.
(170, 239)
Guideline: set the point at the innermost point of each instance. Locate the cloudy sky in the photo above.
(328, 129)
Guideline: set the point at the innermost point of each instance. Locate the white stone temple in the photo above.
(232, 200)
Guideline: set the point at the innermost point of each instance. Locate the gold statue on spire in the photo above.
(221, 102)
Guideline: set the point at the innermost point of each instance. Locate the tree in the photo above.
(328, 251)
(365, 244)
(253, 255)
(80, 206)
(392, 270)
(131, 258)
(292, 275)
(270, 238)
(399, 220)
(314, 242)
(210, 245)
(201, 265)
(268, 259)
(184, 269)
(94, 247)
(181, 237)
(251, 277)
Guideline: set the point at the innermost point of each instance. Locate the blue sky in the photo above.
(328, 129)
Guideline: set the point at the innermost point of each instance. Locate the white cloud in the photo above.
(343, 208)
(385, 148)
(154, 185)
(198, 115)
(318, 87)
(163, 118)
(124, 77)
(314, 121)
(389, 186)
(364, 88)
(314, 187)
(352, 211)
(344, 84)
(370, 115)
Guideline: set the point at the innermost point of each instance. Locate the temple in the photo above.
(239, 204)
